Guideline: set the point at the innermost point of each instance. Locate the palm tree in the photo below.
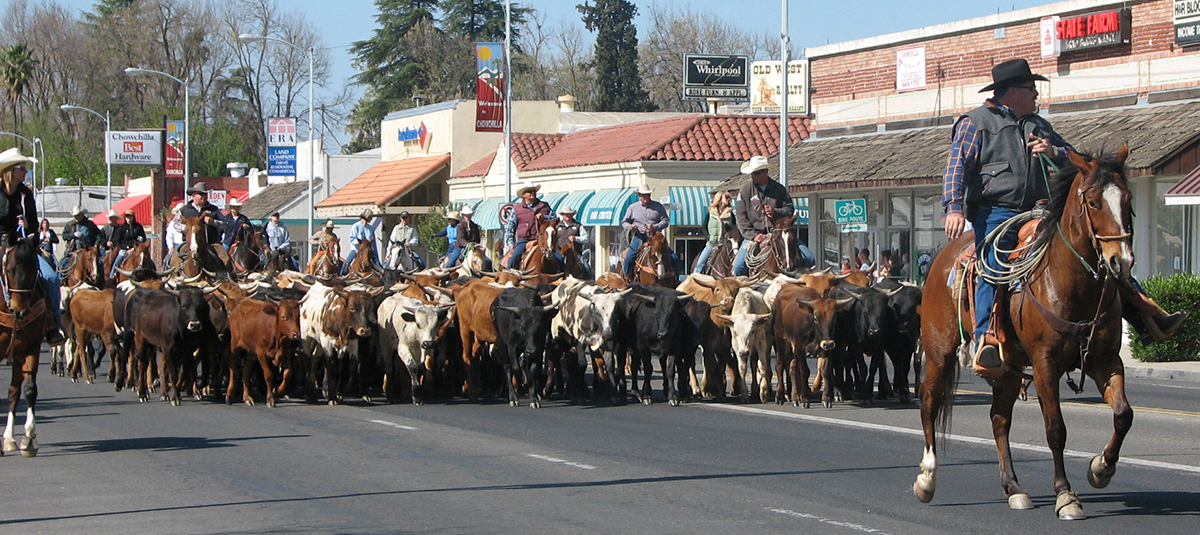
(16, 69)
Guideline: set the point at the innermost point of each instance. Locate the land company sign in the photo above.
(725, 77)
(134, 147)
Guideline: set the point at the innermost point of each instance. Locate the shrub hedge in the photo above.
(1179, 292)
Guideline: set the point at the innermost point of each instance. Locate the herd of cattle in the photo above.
(435, 334)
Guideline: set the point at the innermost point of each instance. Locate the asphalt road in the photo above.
(109, 464)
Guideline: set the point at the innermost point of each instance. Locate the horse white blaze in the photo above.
(787, 251)
(1113, 196)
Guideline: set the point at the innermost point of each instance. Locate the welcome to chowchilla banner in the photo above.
(489, 87)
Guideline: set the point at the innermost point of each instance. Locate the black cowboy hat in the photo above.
(1010, 73)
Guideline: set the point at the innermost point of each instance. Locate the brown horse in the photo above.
(779, 255)
(327, 262)
(244, 253)
(720, 260)
(539, 258)
(83, 266)
(653, 264)
(1066, 315)
(195, 256)
(138, 257)
(23, 323)
(362, 265)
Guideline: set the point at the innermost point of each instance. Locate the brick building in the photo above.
(882, 109)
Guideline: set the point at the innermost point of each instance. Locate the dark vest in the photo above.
(564, 233)
(527, 219)
(1008, 175)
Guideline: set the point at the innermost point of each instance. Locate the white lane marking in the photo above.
(1177, 386)
(561, 461)
(957, 438)
(392, 424)
(848, 525)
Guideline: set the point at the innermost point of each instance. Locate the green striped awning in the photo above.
(801, 205)
(487, 213)
(466, 202)
(553, 198)
(576, 199)
(607, 207)
(692, 202)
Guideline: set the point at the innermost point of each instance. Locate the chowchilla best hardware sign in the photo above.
(134, 147)
(724, 77)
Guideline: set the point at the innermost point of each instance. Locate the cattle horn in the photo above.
(645, 298)
(550, 308)
(211, 290)
(530, 286)
(702, 282)
(841, 276)
(843, 303)
(685, 297)
(124, 273)
(443, 291)
(529, 277)
(194, 279)
(166, 273)
(209, 273)
(491, 274)
(511, 310)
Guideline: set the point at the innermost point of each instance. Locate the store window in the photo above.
(929, 233)
(1168, 238)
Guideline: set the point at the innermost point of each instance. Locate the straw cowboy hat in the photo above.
(328, 224)
(177, 208)
(755, 163)
(567, 210)
(644, 189)
(78, 210)
(529, 187)
(454, 215)
(13, 157)
(112, 214)
(467, 210)
(198, 187)
(1010, 73)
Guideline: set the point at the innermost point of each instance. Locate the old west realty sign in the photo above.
(726, 77)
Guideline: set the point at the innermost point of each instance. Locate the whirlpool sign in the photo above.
(724, 77)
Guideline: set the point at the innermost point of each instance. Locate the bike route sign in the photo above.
(850, 211)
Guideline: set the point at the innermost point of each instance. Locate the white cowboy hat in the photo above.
(13, 157)
(529, 187)
(567, 210)
(177, 208)
(644, 189)
(111, 214)
(77, 210)
(755, 163)
(329, 224)
(235, 202)
(467, 210)
(454, 215)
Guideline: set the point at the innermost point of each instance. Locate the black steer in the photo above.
(522, 326)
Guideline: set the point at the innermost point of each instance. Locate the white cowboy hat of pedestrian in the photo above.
(112, 214)
(13, 157)
(644, 189)
(235, 202)
(467, 210)
(755, 163)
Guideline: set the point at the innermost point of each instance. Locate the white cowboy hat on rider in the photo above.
(567, 210)
(453, 216)
(530, 188)
(644, 189)
(467, 210)
(78, 210)
(755, 163)
(235, 202)
(329, 224)
(13, 157)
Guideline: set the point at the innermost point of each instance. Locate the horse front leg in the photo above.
(14, 389)
(1110, 380)
(30, 391)
(1003, 399)
(1067, 505)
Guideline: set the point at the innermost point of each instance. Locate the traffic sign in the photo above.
(854, 227)
(850, 211)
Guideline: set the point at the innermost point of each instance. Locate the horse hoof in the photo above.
(806, 404)
(249, 402)
(828, 404)
(673, 402)
(1068, 506)
(923, 488)
(88, 381)
(513, 403)
(174, 402)
(367, 399)
(271, 404)
(535, 404)
(647, 401)
(75, 380)
(10, 445)
(29, 452)
(1019, 502)
(333, 403)
(1099, 473)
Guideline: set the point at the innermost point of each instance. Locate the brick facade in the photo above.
(861, 75)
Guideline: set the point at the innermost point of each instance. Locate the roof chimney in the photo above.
(566, 104)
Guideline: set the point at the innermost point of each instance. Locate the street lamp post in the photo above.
(187, 121)
(40, 177)
(312, 146)
(107, 128)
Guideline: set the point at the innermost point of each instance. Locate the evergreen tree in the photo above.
(388, 70)
(619, 86)
(481, 20)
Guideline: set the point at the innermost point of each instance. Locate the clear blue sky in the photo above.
(811, 23)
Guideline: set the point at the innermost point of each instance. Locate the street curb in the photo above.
(1150, 372)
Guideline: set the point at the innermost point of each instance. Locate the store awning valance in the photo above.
(801, 206)
(487, 213)
(140, 204)
(692, 202)
(607, 207)
(577, 200)
(554, 198)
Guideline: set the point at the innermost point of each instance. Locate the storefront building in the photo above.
(883, 109)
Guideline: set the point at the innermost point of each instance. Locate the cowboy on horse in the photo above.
(644, 219)
(17, 199)
(210, 216)
(524, 224)
(362, 230)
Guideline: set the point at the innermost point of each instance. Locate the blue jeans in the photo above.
(984, 222)
(121, 254)
(517, 252)
(353, 253)
(635, 245)
(739, 262)
(452, 255)
(53, 284)
(702, 260)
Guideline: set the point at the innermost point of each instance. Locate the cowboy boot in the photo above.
(988, 358)
(1148, 320)
(54, 335)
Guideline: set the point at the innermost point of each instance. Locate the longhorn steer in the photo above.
(266, 331)
(408, 329)
(169, 321)
(586, 325)
(522, 323)
(651, 328)
(802, 327)
(749, 329)
(719, 294)
(330, 320)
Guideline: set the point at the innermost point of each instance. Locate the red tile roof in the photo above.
(479, 168)
(526, 149)
(386, 181)
(688, 138)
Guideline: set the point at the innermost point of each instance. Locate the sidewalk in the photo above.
(1176, 371)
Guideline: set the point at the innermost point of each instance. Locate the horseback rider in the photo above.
(79, 233)
(573, 232)
(468, 233)
(324, 239)
(993, 174)
(210, 217)
(759, 201)
(644, 218)
(278, 239)
(718, 221)
(451, 235)
(236, 225)
(362, 230)
(403, 241)
(17, 199)
(527, 215)
(130, 234)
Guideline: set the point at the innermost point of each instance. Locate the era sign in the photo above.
(281, 132)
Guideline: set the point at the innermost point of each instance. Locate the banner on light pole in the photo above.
(174, 167)
(489, 87)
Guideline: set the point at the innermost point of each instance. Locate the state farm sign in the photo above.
(1093, 31)
(143, 147)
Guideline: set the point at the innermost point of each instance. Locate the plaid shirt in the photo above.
(964, 159)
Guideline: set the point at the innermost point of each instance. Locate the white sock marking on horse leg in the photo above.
(8, 428)
(29, 422)
(929, 460)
